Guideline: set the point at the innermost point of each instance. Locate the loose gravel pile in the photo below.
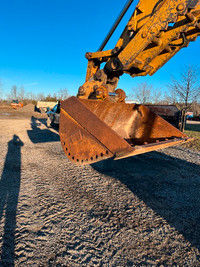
(138, 211)
(28, 108)
(27, 111)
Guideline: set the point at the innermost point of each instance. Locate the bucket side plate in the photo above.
(84, 137)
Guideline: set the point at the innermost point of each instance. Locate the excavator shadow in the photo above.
(53, 126)
(168, 185)
(38, 135)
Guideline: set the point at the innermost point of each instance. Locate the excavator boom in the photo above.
(98, 124)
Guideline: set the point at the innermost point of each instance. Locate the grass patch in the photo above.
(193, 130)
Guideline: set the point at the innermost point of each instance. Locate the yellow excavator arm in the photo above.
(98, 124)
(156, 31)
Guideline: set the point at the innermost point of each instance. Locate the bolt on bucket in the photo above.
(92, 131)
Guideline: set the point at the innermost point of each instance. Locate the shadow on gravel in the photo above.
(9, 188)
(168, 185)
(37, 135)
(54, 126)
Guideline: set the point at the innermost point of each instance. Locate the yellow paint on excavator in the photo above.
(98, 124)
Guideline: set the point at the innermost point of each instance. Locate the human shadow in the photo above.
(9, 192)
(168, 185)
(38, 135)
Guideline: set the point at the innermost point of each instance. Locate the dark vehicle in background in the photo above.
(170, 113)
(53, 115)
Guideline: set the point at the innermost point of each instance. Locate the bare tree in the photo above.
(187, 88)
(13, 92)
(195, 107)
(40, 97)
(142, 93)
(171, 97)
(187, 85)
(156, 96)
(21, 94)
(63, 94)
(50, 98)
(30, 96)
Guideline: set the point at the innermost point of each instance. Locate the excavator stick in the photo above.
(91, 130)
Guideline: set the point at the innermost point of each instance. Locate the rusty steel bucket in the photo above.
(91, 130)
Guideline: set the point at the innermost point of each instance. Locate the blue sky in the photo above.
(43, 44)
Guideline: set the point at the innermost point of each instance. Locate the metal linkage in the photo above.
(156, 31)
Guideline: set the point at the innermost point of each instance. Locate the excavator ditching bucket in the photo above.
(92, 130)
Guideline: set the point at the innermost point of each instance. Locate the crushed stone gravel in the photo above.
(139, 211)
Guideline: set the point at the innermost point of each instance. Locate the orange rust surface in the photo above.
(92, 130)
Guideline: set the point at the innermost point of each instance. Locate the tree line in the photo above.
(183, 91)
(26, 97)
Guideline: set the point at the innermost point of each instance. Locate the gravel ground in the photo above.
(139, 211)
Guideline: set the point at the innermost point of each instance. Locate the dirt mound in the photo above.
(28, 108)
(28, 111)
